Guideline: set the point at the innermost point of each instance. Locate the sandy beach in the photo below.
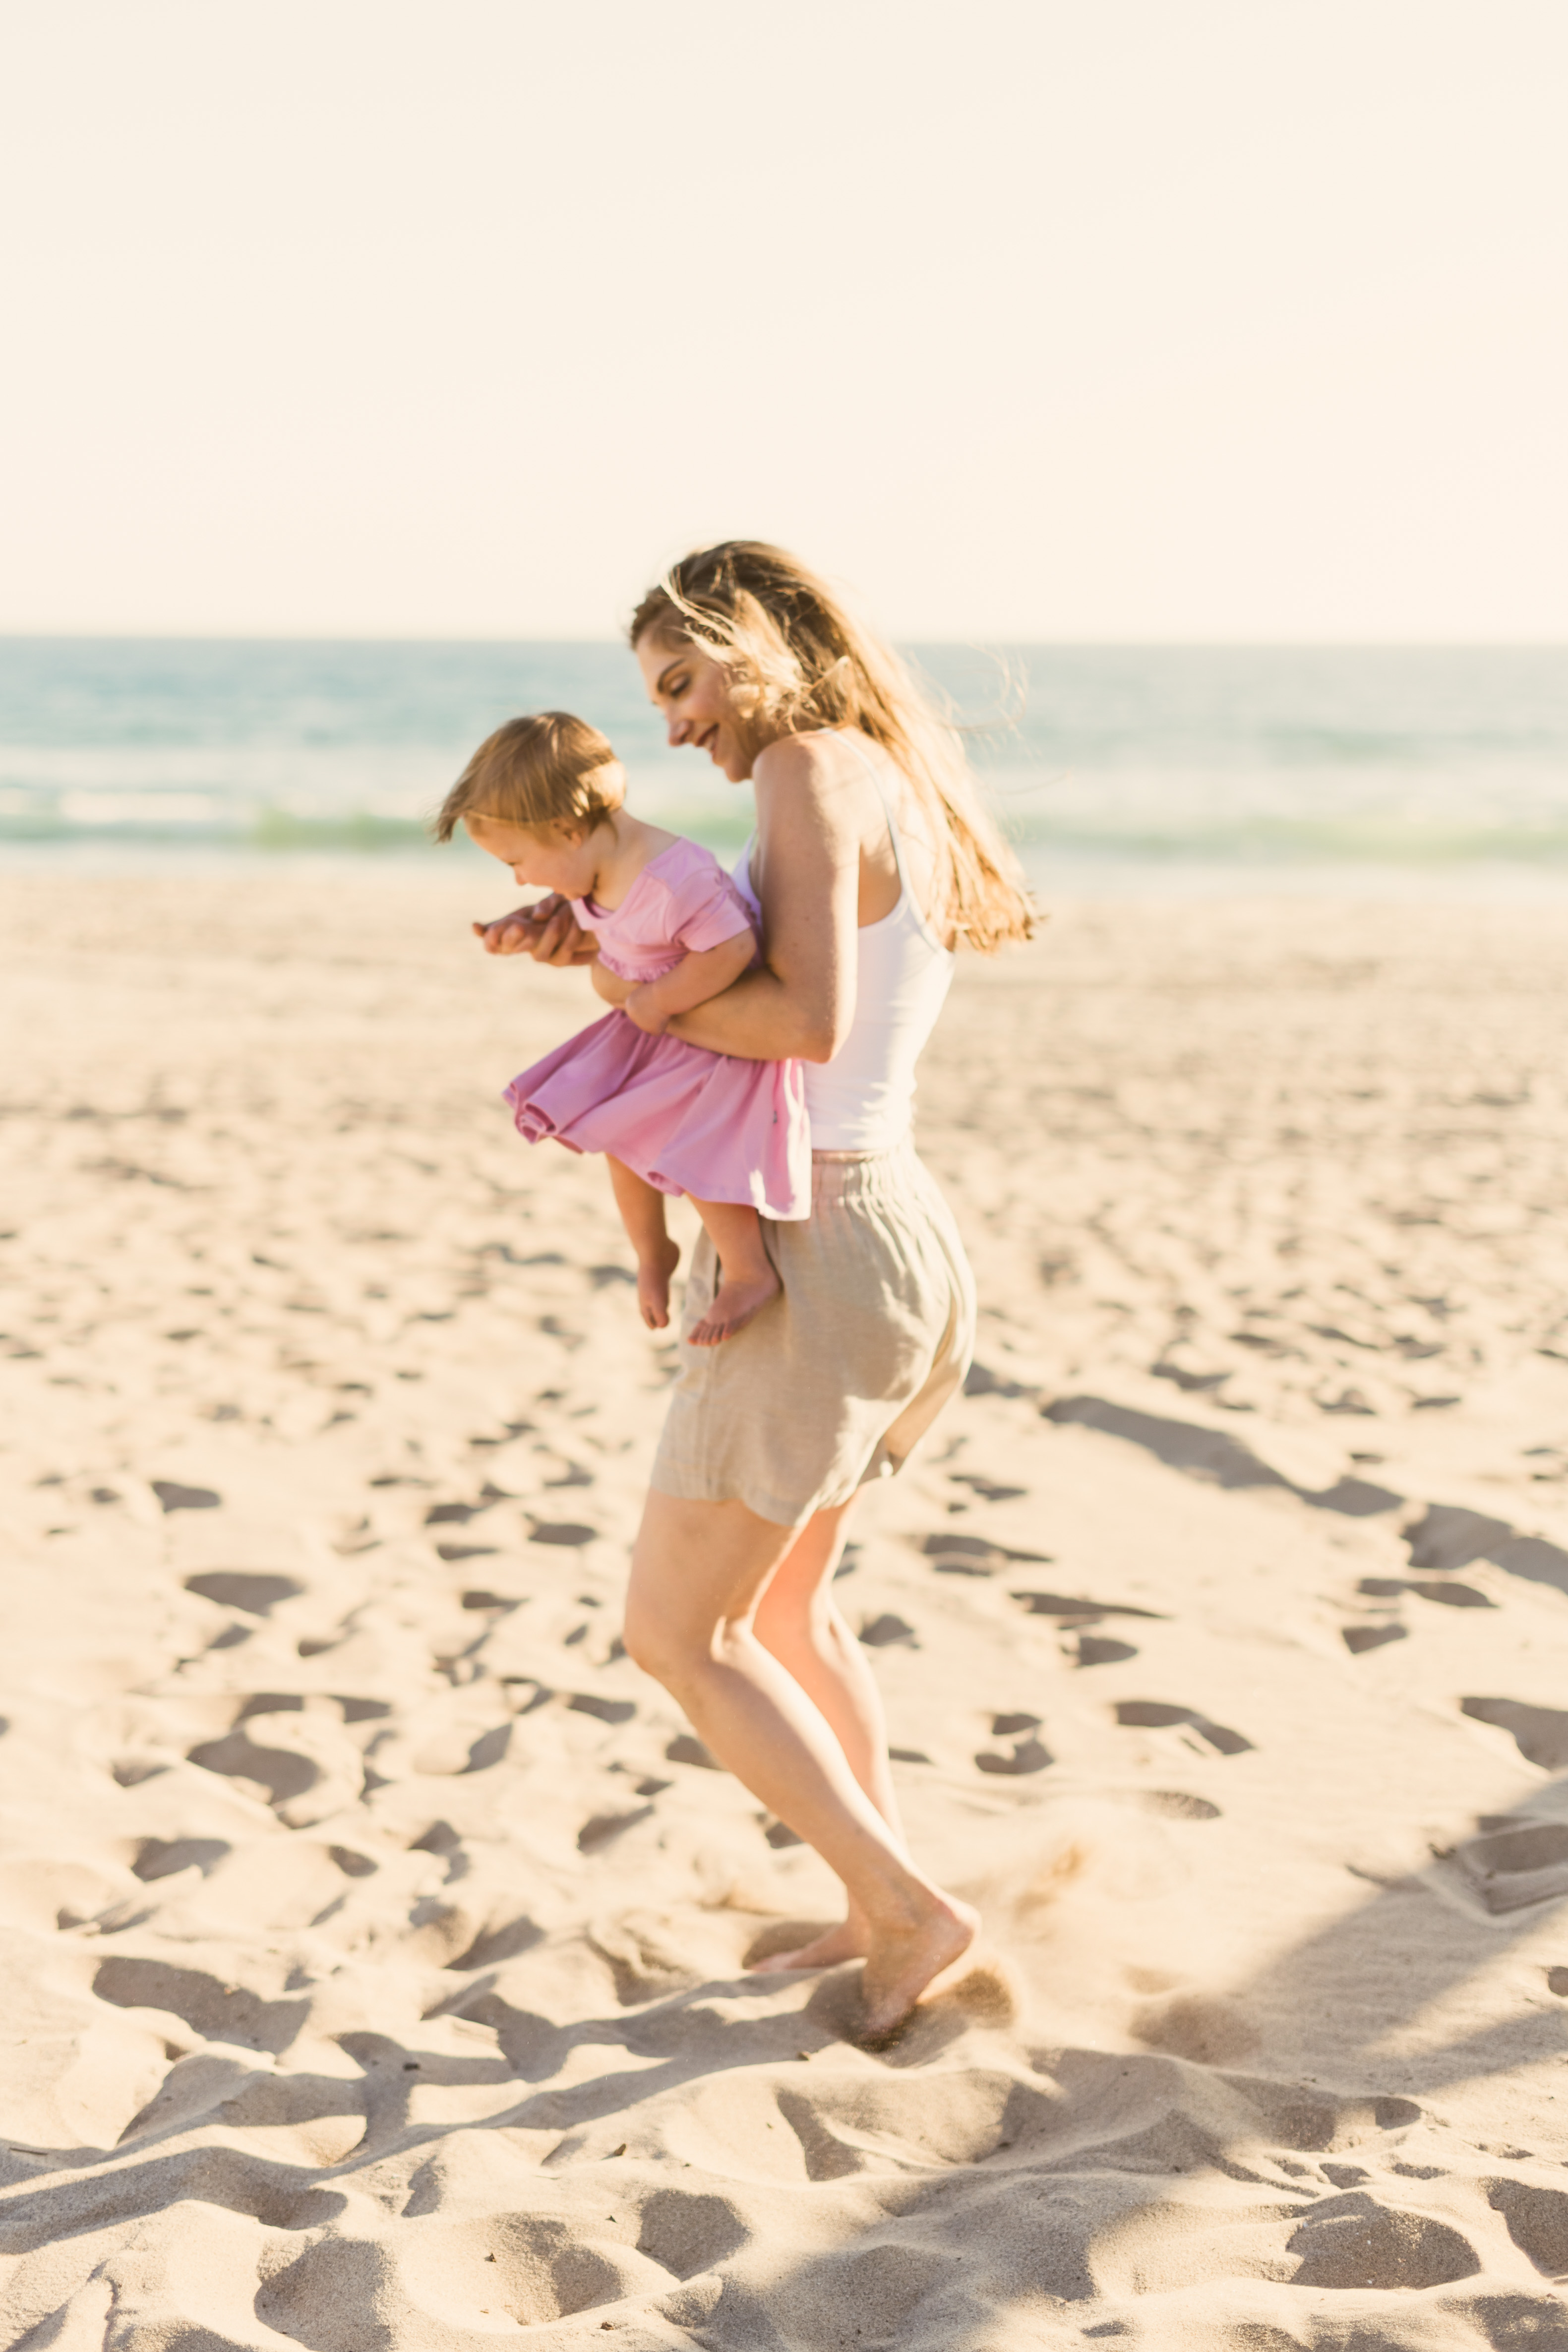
(374, 1932)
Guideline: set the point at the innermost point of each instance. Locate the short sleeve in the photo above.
(706, 908)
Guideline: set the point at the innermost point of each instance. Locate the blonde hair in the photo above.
(550, 769)
(797, 660)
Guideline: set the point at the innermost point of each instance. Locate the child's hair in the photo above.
(797, 660)
(550, 769)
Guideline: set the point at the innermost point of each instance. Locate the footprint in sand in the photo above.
(975, 1555)
(256, 1593)
(509, 1430)
(301, 1763)
(489, 1748)
(1514, 1867)
(1537, 2221)
(1079, 1611)
(987, 1488)
(606, 1827)
(1540, 1732)
(174, 1497)
(685, 1749)
(1358, 1639)
(1449, 1594)
(1147, 1713)
(1030, 1754)
(1350, 2242)
(162, 1857)
(607, 1710)
(219, 2011)
(1098, 1650)
(880, 1633)
(981, 1380)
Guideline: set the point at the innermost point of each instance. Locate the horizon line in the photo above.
(1138, 644)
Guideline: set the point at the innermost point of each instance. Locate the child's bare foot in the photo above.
(654, 1273)
(850, 1940)
(736, 1300)
(904, 1961)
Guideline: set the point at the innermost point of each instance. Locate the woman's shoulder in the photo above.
(816, 780)
(827, 753)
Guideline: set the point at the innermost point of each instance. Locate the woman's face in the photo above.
(694, 694)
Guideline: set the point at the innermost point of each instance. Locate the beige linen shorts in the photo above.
(836, 1380)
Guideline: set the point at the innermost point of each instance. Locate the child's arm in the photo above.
(703, 974)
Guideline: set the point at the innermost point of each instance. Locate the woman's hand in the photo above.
(547, 931)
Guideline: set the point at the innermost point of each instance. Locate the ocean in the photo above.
(1113, 768)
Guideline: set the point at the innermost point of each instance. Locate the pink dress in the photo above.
(684, 1119)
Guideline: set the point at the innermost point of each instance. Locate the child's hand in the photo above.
(701, 973)
(645, 1011)
(547, 931)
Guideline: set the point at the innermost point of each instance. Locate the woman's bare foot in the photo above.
(736, 1300)
(654, 1273)
(904, 1961)
(850, 1940)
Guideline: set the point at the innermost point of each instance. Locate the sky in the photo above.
(1030, 319)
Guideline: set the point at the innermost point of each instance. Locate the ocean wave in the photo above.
(174, 820)
(1424, 759)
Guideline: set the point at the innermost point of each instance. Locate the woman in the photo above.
(870, 858)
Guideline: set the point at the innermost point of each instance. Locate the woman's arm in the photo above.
(799, 1003)
(701, 973)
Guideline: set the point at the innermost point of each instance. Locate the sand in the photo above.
(374, 1930)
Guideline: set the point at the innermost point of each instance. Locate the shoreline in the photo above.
(1065, 880)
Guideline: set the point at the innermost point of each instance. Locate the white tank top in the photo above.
(863, 1101)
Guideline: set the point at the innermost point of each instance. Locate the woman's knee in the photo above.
(673, 1652)
(794, 1621)
(650, 1644)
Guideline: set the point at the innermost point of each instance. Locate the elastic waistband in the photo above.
(861, 1175)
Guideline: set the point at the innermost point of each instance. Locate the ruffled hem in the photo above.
(684, 1119)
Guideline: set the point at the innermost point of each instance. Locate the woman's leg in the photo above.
(699, 1571)
(642, 1214)
(797, 1620)
(746, 1277)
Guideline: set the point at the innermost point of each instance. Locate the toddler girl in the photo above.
(544, 795)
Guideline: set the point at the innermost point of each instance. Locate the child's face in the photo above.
(542, 858)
